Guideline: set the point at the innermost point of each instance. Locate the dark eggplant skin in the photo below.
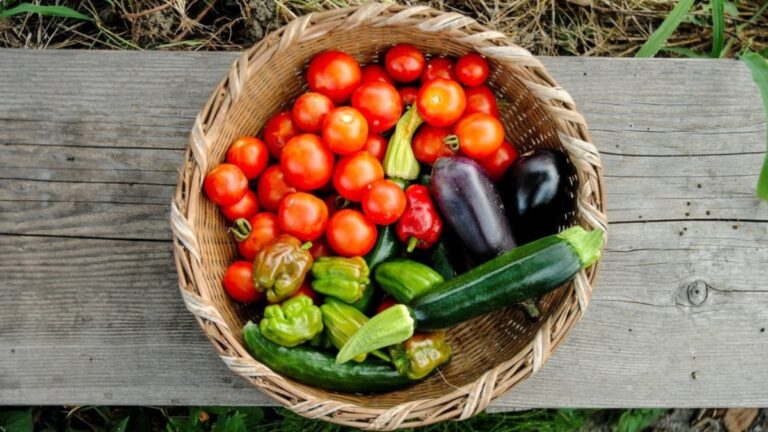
(469, 202)
(536, 194)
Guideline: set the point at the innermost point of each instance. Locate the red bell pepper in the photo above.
(420, 226)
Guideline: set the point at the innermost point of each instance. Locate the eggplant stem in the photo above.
(240, 230)
(412, 242)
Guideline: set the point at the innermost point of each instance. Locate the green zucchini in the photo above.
(319, 369)
(440, 257)
(528, 271)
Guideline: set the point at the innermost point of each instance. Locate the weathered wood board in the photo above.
(89, 147)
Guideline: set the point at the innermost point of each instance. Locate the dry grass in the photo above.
(546, 27)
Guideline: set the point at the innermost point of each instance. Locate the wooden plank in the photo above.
(92, 140)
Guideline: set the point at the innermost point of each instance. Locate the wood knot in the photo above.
(696, 292)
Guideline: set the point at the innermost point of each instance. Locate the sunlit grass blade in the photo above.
(759, 67)
(660, 36)
(59, 11)
(687, 52)
(718, 28)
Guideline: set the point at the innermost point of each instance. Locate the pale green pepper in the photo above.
(295, 321)
(421, 354)
(342, 278)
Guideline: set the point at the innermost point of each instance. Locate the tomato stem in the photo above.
(306, 246)
(452, 141)
(340, 202)
(412, 242)
(240, 230)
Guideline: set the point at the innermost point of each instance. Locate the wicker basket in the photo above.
(493, 353)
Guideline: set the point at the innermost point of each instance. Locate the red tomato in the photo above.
(379, 103)
(320, 248)
(278, 131)
(306, 289)
(376, 145)
(245, 208)
(481, 99)
(272, 188)
(264, 230)
(479, 134)
(441, 102)
(404, 63)
(429, 144)
(335, 74)
(250, 155)
(306, 162)
(438, 67)
(303, 216)
(497, 163)
(225, 185)
(386, 303)
(408, 95)
(345, 130)
(472, 69)
(375, 72)
(384, 202)
(238, 282)
(354, 173)
(350, 233)
(310, 110)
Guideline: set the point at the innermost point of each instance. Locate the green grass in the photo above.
(665, 30)
(57, 11)
(246, 419)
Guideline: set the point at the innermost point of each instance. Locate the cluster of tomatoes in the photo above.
(327, 184)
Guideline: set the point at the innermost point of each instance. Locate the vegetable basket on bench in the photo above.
(491, 353)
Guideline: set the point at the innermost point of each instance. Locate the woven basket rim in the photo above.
(466, 400)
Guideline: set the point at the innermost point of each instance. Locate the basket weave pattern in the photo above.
(494, 352)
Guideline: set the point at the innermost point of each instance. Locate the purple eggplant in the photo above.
(468, 201)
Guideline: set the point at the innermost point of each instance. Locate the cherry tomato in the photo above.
(310, 110)
(278, 130)
(303, 216)
(497, 163)
(306, 289)
(404, 63)
(238, 282)
(264, 230)
(479, 135)
(345, 130)
(376, 145)
(441, 102)
(429, 145)
(225, 185)
(245, 208)
(320, 248)
(335, 74)
(438, 67)
(374, 72)
(386, 303)
(250, 155)
(350, 233)
(272, 188)
(354, 173)
(481, 99)
(306, 162)
(472, 69)
(408, 95)
(384, 202)
(379, 103)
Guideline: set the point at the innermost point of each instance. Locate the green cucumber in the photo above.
(528, 271)
(319, 369)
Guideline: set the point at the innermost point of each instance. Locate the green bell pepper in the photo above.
(406, 279)
(295, 321)
(420, 355)
(342, 278)
(341, 321)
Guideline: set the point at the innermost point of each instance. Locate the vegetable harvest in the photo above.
(382, 207)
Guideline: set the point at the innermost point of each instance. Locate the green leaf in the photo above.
(60, 11)
(687, 52)
(252, 416)
(660, 36)
(230, 423)
(179, 424)
(121, 425)
(764, 52)
(16, 421)
(759, 67)
(731, 9)
(718, 28)
(635, 420)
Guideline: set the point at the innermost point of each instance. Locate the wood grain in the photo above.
(89, 147)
